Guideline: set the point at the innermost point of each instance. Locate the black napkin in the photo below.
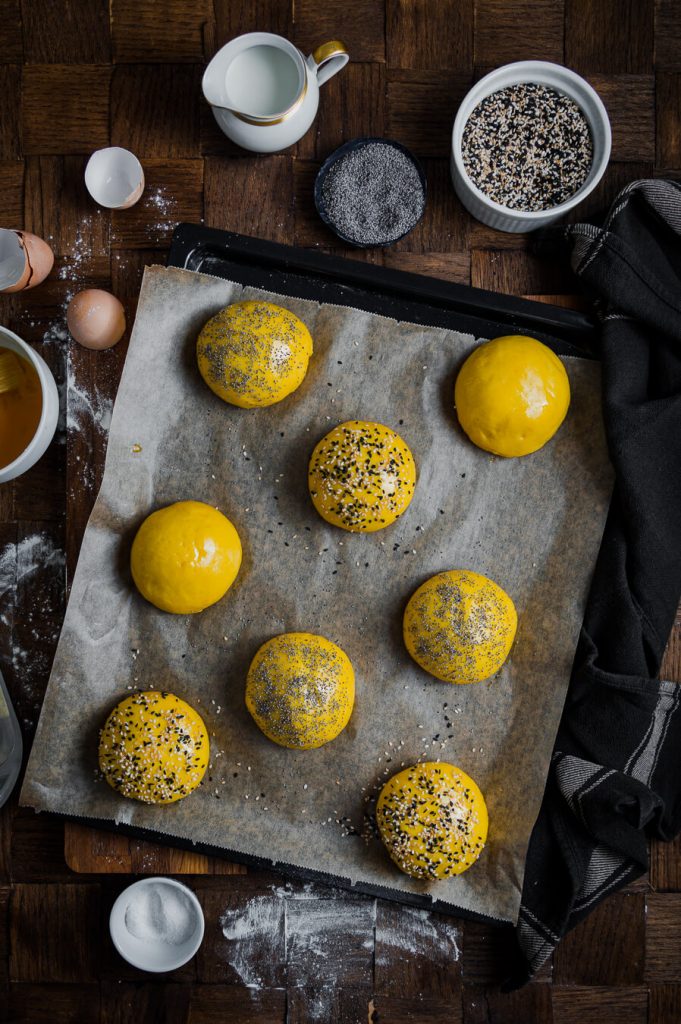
(615, 776)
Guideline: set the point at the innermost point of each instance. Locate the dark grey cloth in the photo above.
(615, 776)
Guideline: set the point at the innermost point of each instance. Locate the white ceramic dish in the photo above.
(114, 178)
(48, 416)
(147, 955)
(563, 81)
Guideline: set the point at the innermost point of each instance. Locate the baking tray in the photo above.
(404, 296)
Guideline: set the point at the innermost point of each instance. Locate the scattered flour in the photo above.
(314, 930)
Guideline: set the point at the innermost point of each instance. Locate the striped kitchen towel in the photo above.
(615, 777)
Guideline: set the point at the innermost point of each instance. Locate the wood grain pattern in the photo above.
(65, 108)
(428, 36)
(61, 32)
(78, 74)
(609, 38)
(526, 30)
(607, 948)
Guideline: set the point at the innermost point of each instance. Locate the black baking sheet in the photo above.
(403, 296)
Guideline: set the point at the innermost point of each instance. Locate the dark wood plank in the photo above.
(667, 35)
(518, 272)
(450, 266)
(420, 109)
(234, 17)
(52, 932)
(12, 186)
(246, 943)
(592, 1005)
(37, 848)
(63, 32)
(141, 32)
(485, 1006)
(343, 112)
(216, 1004)
(524, 30)
(428, 36)
(360, 24)
(4, 933)
(416, 953)
(325, 930)
(53, 1004)
(668, 106)
(665, 1004)
(665, 866)
(65, 108)
(11, 36)
(127, 1002)
(155, 109)
(630, 102)
(610, 38)
(173, 192)
(607, 948)
(663, 937)
(253, 195)
(396, 1010)
(10, 111)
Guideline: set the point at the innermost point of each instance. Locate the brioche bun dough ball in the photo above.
(459, 626)
(511, 395)
(300, 690)
(432, 819)
(253, 354)
(154, 748)
(361, 476)
(185, 557)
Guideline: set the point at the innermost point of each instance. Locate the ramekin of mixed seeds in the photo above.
(530, 141)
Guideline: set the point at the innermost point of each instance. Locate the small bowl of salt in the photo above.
(157, 924)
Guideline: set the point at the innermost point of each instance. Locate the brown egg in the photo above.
(96, 318)
(25, 260)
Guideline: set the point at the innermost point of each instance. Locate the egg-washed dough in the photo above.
(154, 747)
(254, 354)
(185, 557)
(361, 476)
(460, 626)
(432, 819)
(511, 395)
(300, 690)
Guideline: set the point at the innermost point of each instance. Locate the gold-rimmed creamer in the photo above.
(264, 93)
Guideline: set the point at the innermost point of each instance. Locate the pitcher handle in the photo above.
(328, 59)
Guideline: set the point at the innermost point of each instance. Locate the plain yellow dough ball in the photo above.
(511, 395)
(460, 626)
(185, 557)
(300, 690)
(361, 476)
(253, 354)
(432, 819)
(154, 748)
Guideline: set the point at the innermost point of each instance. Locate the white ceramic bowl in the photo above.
(563, 81)
(48, 416)
(145, 954)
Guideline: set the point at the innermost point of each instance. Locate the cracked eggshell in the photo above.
(96, 319)
(25, 260)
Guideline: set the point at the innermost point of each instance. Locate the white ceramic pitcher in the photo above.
(264, 92)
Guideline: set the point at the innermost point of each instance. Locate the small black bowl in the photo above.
(351, 147)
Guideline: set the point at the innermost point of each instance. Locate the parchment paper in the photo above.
(533, 524)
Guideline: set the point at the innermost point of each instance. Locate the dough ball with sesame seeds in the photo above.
(300, 690)
(361, 476)
(154, 748)
(460, 626)
(432, 819)
(253, 354)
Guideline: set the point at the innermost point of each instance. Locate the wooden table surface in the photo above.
(79, 74)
